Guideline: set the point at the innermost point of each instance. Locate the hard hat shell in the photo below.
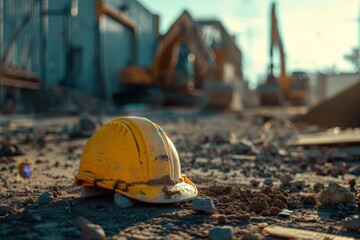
(134, 157)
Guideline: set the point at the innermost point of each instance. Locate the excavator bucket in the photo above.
(342, 110)
(217, 95)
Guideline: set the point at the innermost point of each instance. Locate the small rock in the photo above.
(221, 233)
(352, 223)
(45, 198)
(285, 179)
(243, 216)
(278, 203)
(318, 186)
(268, 181)
(31, 216)
(249, 236)
(263, 225)
(265, 213)
(293, 204)
(85, 126)
(297, 183)
(335, 194)
(274, 211)
(254, 183)
(204, 205)
(4, 209)
(123, 202)
(352, 183)
(309, 199)
(89, 230)
(169, 226)
(27, 189)
(221, 219)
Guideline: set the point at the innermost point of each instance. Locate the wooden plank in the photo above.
(293, 233)
(19, 73)
(327, 139)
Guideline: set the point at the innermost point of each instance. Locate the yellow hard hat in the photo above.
(134, 157)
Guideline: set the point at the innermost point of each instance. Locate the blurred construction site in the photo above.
(259, 100)
(99, 56)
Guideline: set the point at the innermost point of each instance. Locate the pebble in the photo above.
(169, 226)
(263, 225)
(123, 202)
(221, 219)
(45, 198)
(27, 189)
(249, 236)
(352, 223)
(335, 194)
(5, 209)
(278, 203)
(268, 181)
(274, 211)
(285, 179)
(89, 230)
(309, 199)
(297, 183)
(204, 205)
(221, 233)
(352, 183)
(254, 183)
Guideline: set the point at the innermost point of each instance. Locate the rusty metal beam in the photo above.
(103, 8)
(17, 83)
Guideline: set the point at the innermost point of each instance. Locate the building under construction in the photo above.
(75, 50)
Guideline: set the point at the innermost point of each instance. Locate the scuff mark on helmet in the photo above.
(162, 157)
(165, 180)
(169, 194)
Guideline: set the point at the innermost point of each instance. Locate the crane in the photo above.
(283, 89)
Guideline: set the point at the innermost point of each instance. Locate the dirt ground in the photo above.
(229, 156)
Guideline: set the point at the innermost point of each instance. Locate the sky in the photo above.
(316, 34)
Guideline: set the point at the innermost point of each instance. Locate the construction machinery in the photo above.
(184, 69)
(282, 90)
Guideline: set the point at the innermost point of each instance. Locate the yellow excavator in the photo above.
(182, 67)
(282, 90)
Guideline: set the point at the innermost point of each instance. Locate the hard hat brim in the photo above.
(179, 192)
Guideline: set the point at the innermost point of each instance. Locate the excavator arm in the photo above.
(284, 81)
(183, 31)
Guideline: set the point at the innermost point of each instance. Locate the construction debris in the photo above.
(292, 233)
